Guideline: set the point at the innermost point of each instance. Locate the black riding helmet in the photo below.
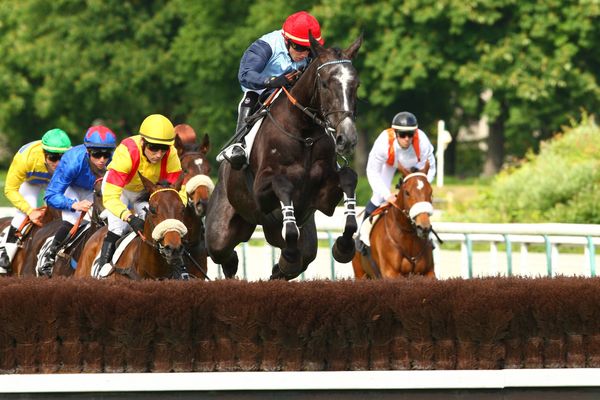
(405, 121)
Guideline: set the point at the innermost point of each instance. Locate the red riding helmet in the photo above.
(297, 26)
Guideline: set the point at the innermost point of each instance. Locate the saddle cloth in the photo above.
(104, 271)
(364, 232)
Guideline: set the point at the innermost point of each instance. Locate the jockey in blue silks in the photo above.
(264, 66)
(71, 188)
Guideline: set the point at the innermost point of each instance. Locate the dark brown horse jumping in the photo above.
(293, 170)
(159, 252)
(399, 239)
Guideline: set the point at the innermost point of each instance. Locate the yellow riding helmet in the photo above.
(157, 128)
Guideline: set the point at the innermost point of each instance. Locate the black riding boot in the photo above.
(107, 251)
(55, 246)
(4, 259)
(235, 154)
(369, 208)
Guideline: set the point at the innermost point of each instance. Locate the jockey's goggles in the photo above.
(403, 134)
(53, 157)
(299, 48)
(154, 147)
(100, 153)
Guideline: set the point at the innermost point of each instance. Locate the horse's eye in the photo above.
(324, 84)
(152, 210)
(406, 193)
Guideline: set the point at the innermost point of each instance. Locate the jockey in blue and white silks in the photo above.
(265, 65)
(71, 188)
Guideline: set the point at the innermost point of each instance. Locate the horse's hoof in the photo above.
(290, 263)
(230, 267)
(343, 250)
(276, 273)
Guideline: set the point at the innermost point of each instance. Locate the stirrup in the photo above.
(235, 154)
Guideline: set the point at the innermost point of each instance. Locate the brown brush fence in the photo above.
(63, 325)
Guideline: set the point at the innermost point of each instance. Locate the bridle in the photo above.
(318, 117)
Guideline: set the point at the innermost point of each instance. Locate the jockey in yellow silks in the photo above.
(30, 171)
(152, 154)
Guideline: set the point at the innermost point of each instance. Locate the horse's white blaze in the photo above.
(420, 185)
(345, 77)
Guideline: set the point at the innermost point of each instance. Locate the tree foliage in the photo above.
(560, 184)
(68, 62)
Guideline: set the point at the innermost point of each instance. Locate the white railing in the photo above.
(256, 260)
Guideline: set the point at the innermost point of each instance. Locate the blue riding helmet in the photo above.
(100, 137)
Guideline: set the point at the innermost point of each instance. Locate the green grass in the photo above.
(3, 200)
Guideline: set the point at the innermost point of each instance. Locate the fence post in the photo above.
(592, 252)
(508, 255)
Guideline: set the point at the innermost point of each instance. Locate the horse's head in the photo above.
(336, 86)
(196, 170)
(163, 219)
(415, 199)
(98, 206)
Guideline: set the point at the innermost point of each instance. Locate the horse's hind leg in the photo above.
(343, 248)
(225, 230)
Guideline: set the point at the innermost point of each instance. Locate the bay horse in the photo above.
(67, 258)
(157, 254)
(199, 187)
(293, 170)
(400, 244)
(28, 233)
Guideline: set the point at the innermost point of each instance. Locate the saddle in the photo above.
(65, 251)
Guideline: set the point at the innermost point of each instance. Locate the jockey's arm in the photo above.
(17, 173)
(252, 65)
(60, 181)
(116, 178)
(427, 154)
(379, 179)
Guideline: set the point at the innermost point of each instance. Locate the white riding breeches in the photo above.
(30, 193)
(78, 194)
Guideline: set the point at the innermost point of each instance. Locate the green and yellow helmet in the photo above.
(157, 128)
(56, 141)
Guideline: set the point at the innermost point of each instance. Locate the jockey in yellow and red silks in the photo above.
(152, 154)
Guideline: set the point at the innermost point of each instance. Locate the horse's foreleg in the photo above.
(290, 260)
(308, 248)
(343, 249)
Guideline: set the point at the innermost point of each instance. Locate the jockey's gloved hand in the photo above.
(276, 82)
(136, 223)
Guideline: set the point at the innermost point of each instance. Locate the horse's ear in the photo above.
(179, 145)
(351, 51)
(205, 145)
(179, 182)
(148, 185)
(425, 169)
(403, 171)
(314, 45)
